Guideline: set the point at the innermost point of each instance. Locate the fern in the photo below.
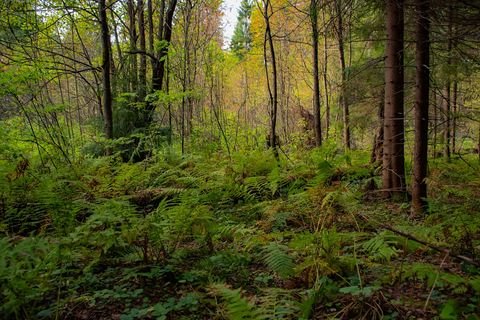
(380, 248)
(238, 307)
(278, 260)
(273, 304)
(278, 304)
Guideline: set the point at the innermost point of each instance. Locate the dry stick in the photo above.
(429, 245)
(434, 284)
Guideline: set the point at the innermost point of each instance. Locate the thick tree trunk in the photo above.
(394, 131)
(422, 96)
(316, 72)
(106, 68)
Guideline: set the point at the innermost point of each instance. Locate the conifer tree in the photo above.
(242, 38)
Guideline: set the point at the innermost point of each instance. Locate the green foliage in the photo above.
(26, 269)
(242, 38)
(237, 307)
(278, 260)
(287, 234)
(381, 247)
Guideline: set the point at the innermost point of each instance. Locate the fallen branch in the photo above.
(429, 245)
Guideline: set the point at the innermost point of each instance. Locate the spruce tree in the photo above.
(242, 39)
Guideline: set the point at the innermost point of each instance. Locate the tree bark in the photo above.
(377, 152)
(343, 69)
(316, 72)
(422, 97)
(325, 77)
(273, 93)
(454, 116)
(107, 88)
(133, 46)
(394, 129)
(165, 35)
(151, 42)
(142, 71)
(448, 94)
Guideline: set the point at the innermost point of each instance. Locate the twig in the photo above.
(434, 284)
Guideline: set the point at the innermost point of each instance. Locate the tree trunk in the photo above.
(377, 152)
(142, 71)
(447, 126)
(448, 94)
(316, 72)
(393, 149)
(325, 77)
(133, 46)
(454, 117)
(165, 35)
(151, 42)
(273, 94)
(343, 69)
(422, 96)
(107, 89)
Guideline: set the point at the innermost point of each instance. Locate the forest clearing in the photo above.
(320, 159)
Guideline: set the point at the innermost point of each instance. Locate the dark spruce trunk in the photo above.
(393, 176)
(422, 95)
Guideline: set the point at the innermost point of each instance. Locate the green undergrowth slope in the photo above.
(196, 237)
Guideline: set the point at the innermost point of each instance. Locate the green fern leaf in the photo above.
(277, 259)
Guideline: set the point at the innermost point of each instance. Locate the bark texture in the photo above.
(393, 176)
(106, 68)
(422, 96)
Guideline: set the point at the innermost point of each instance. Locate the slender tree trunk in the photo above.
(422, 96)
(377, 152)
(454, 117)
(165, 36)
(316, 73)
(447, 122)
(325, 77)
(142, 71)
(133, 46)
(394, 155)
(151, 41)
(435, 124)
(107, 89)
(167, 91)
(343, 69)
(448, 94)
(273, 93)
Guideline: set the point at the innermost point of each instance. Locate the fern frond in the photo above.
(278, 304)
(380, 248)
(278, 260)
(238, 307)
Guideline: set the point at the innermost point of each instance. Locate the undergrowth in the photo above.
(249, 237)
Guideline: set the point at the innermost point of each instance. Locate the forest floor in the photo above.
(209, 237)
